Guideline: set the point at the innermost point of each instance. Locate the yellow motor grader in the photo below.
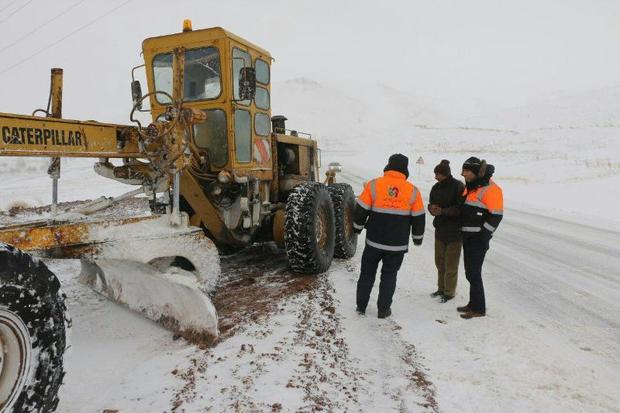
(220, 174)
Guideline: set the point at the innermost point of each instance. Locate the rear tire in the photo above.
(309, 228)
(31, 296)
(344, 206)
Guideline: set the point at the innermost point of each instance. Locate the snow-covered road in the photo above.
(550, 342)
(564, 274)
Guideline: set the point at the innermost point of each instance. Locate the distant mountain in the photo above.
(598, 108)
(374, 112)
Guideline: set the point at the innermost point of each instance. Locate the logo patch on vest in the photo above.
(393, 192)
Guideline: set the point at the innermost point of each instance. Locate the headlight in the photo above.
(223, 177)
(215, 189)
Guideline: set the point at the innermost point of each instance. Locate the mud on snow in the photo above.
(283, 347)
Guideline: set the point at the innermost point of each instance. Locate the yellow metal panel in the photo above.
(279, 220)
(195, 196)
(36, 136)
(197, 37)
(69, 240)
(294, 140)
(224, 41)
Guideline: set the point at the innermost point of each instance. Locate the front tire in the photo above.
(309, 228)
(344, 206)
(33, 333)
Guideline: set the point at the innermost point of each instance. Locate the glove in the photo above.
(417, 242)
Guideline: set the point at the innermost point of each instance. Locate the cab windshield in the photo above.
(202, 76)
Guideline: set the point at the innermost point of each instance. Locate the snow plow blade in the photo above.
(164, 272)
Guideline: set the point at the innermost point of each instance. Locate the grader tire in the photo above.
(343, 199)
(33, 328)
(309, 228)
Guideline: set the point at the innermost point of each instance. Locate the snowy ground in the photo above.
(550, 342)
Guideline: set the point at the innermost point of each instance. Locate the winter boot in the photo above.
(464, 309)
(384, 313)
(472, 314)
(446, 298)
(436, 293)
(360, 311)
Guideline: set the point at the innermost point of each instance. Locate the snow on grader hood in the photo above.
(218, 171)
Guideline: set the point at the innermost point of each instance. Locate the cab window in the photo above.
(211, 136)
(262, 98)
(162, 74)
(241, 59)
(262, 72)
(202, 79)
(261, 124)
(243, 135)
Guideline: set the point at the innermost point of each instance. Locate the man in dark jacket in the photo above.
(481, 214)
(444, 205)
(390, 208)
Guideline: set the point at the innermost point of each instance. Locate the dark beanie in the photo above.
(398, 162)
(472, 164)
(443, 168)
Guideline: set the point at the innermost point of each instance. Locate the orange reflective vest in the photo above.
(390, 208)
(483, 209)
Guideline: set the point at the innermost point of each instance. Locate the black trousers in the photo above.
(370, 261)
(474, 250)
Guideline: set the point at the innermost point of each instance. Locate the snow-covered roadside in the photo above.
(118, 359)
(549, 342)
(519, 358)
(30, 186)
(310, 353)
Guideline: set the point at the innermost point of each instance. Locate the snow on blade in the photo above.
(161, 271)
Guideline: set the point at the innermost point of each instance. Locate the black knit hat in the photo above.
(398, 162)
(443, 168)
(472, 164)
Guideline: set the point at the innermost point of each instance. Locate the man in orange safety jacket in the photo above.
(390, 209)
(481, 213)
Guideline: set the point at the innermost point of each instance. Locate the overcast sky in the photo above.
(498, 51)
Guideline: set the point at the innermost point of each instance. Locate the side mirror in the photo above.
(136, 94)
(247, 83)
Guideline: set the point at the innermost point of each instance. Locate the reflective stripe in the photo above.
(387, 247)
(417, 213)
(476, 204)
(471, 229)
(356, 226)
(362, 204)
(417, 236)
(413, 196)
(373, 190)
(390, 211)
(497, 211)
(489, 227)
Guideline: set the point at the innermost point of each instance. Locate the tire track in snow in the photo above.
(578, 308)
(297, 357)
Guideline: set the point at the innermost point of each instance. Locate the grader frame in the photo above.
(223, 167)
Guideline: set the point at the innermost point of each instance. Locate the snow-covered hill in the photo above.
(598, 108)
(538, 165)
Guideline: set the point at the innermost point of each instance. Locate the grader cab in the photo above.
(220, 173)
